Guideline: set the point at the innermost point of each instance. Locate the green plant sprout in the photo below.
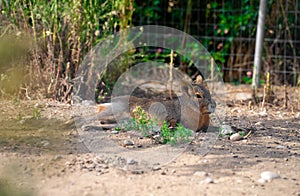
(178, 136)
(143, 123)
(36, 113)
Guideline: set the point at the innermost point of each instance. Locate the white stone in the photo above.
(261, 181)
(130, 161)
(128, 142)
(263, 113)
(226, 129)
(280, 147)
(257, 124)
(207, 180)
(200, 173)
(268, 176)
(236, 137)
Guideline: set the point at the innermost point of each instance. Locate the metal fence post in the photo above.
(259, 45)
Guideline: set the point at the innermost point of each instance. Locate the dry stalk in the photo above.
(254, 96)
(248, 134)
(264, 97)
(212, 66)
(267, 91)
(26, 92)
(171, 74)
(285, 97)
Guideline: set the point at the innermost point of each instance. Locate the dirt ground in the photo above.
(41, 153)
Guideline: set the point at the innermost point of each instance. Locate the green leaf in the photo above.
(214, 5)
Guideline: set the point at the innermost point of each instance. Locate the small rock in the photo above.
(114, 132)
(258, 124)
(173, 171)
(45, 143)
(157, 137)
(137, 172)
(263, 113)
(236, 137)
(280, 147)
(261, 181)
(104, 166)
(22, 121)
(239, 181)
(91, 128)
(207, 180)
(128, 143)
(131, 161)
(99, 173)
(200, 173)
(268, 176)
(156, 168)
(57, 157)
(226, 130)
(99, 169)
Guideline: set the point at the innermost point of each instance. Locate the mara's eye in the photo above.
(199, 96)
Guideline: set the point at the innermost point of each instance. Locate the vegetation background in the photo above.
(42, 43)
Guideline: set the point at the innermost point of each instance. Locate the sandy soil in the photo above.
(41, 153)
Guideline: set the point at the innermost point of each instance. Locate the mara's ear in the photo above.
(200, 80)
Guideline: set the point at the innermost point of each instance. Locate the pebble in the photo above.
(280, 147)
(91, 128)
(58, 157)
(137, 172)
(45, 143)
(128, 143)
(258, 123)
(22, 121)
(207, 180)
(157, 137)
(236, 137)
(263, 113)
(131, 161)
(267, 176)
(226, 130)
(261, 181)
(200, 173)
(114, 132)
(156, 168)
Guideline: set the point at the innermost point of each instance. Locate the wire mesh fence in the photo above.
(227, 28)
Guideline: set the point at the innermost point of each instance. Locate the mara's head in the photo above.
(206, 104)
